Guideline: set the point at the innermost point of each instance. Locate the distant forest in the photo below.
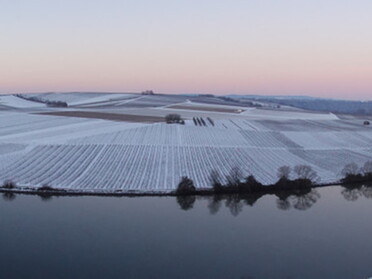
(323, 105)
(335, 106)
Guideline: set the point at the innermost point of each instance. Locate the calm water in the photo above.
(324, 234)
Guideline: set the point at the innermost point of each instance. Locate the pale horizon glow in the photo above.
(314, 48)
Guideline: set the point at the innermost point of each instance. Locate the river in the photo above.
(323, 234)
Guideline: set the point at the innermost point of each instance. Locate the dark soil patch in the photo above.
(107, 116)
(205, 108)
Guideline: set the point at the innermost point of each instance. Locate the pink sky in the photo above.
(323, 48)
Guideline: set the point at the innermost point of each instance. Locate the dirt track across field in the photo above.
(107, 116)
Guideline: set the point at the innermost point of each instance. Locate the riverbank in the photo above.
(119, 193)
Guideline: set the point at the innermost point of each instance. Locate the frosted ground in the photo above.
(97, 155)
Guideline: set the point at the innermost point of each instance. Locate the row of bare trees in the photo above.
(305, 177)
(235, 182)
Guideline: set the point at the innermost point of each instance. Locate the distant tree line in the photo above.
(43, 101)
(246, 103)
(58, 104)
(324, 105)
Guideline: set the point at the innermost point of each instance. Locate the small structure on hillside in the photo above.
(148, 92)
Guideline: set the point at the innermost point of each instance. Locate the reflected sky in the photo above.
(91, 237)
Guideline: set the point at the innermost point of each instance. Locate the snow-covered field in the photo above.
(108, 156)
(16, 102)
(80, 99)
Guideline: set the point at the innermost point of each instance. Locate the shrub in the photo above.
(250, 185)
(148, 92)
(174, 118)
(58, 104)
(186, 186)
(45, 187)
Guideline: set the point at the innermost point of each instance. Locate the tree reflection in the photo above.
(350, 194)
(186, 202)
(251, 199)
(300, 199)
(214, 203)
(283, 204)
(367, 191)
(306, 201)
(353, 192)
(234, 203)
(45, 197)
(9, 196)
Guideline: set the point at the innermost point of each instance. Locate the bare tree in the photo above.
(367, 168)
(215, 178)
(284, 172)
(306, 172)
(234, 177)
(350, 169)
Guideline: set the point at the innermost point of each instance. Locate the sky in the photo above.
(269, 47)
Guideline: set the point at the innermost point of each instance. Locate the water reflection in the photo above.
(353, 192)
(234, 202)
(45, 196)
(286, 200)
(300, 200)
(186, 202)
(8, 196)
